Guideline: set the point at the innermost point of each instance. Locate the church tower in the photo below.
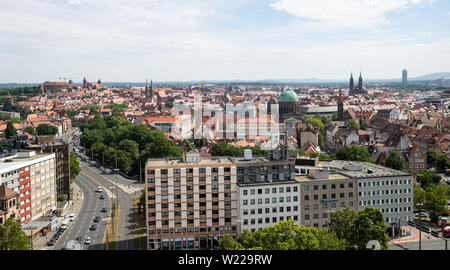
(84, 83)
(352, 83)
(146, 89)
(340, 107)
(360, 83)
(151, 89)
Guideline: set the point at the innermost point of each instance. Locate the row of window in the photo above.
(189, 230)
(325, 186)
(396, 210)
(176, 205)
(325, 196)
(325, 205)
(385, 183)
(383, 202)
(267, 190)
(189, 179)
(267, 200)
(268, 220)
(177, 188)
(384, 192)
(190, 213)
(263, 168)
(200, 170)
(189, 221)
(189, 196)
(267, 210)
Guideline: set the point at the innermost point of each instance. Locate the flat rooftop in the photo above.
(368, 170)
(332, 177)
(179, 162)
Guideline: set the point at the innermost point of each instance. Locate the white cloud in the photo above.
(344, 13)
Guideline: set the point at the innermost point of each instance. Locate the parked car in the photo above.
(79, 239)
(102, 197)
(422, 216)
(104, 210)
(51, 242)
(97, 219)
(93, 227)
(88, 240)
(446, 232)
(72, 216)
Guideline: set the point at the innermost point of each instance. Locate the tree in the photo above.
(335, 116)
(426, 178)
(46, 129)
(358, 228)
(431, 157)
(319, 123)
(313, 155)
(395, 161)
(354, 153)
(228, 243)
(74, 166)
(352, 123)
(301, 152)
(12, 237)
(419, 194)
(436, 200)
(362, 123)
(442, 162)
(342, 222)
(285, 236)
(10, 130)
(187, 144)
(30, 130)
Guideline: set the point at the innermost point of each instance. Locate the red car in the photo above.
(446, 232)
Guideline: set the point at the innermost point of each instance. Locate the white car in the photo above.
(72, 216)
(99, 189)
(88, 240)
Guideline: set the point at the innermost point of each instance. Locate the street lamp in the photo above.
(420, 219)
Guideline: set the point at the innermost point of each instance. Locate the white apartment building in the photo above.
(267, 203)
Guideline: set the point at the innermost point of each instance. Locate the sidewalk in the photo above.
(74, 206)
(413, 237)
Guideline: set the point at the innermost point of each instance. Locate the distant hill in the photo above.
(431, 77)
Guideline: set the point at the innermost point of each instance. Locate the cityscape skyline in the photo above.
(217, 40)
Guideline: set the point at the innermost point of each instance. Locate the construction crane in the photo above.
(64, 78)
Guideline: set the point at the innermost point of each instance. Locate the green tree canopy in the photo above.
(10, 130)
(358, 228)
(46, 129)
(12, 237)
(352, 123)
(74, 166)
(395, 161)
(436, 200)
(285, 236)
(354, 153)
(426, 178)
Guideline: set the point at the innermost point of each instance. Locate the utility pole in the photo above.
(420, 219)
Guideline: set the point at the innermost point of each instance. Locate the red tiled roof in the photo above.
(7, 193)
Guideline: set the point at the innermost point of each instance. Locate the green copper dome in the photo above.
(288, 96)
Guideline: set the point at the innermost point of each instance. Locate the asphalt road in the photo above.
(91, 208)
(427, 244)
(125, 235)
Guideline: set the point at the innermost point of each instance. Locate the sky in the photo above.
(184, 40)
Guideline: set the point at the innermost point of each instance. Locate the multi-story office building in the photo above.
(191, 202)
(266, 190)
(322, 192)
(33, 177)
(47, 144)
(265, 204)
(379, 187)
